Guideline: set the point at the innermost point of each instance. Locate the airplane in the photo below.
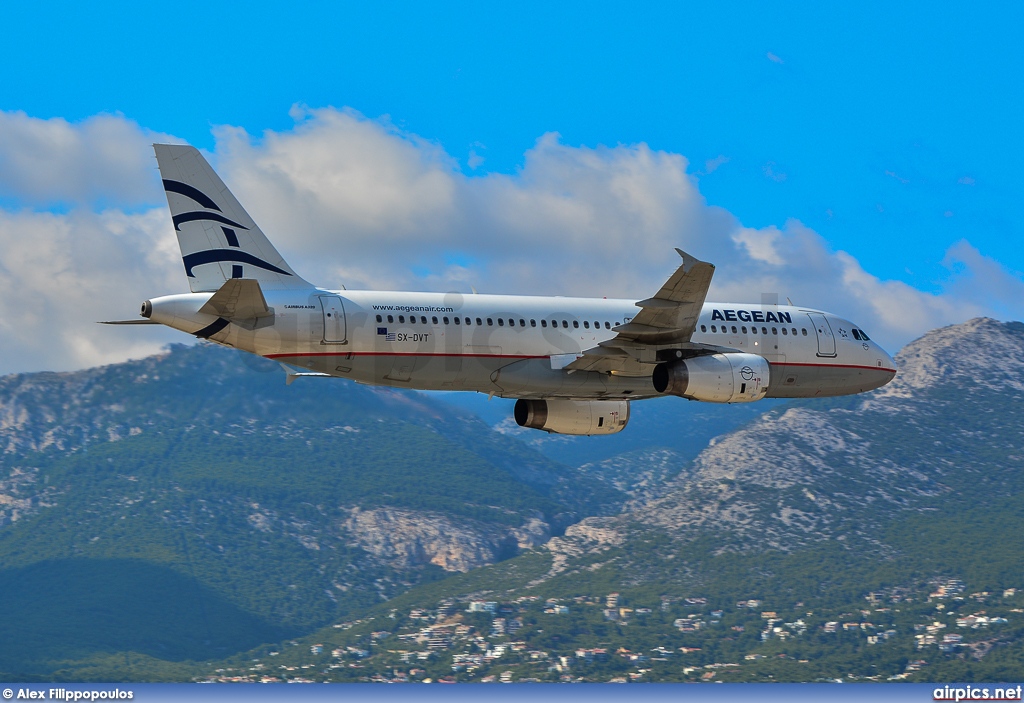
(573, 365)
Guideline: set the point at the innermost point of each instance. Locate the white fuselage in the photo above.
(516, 346)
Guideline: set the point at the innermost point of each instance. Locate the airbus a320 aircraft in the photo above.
(573, 364)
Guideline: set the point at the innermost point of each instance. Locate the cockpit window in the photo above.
(856, 334)
(864, 336)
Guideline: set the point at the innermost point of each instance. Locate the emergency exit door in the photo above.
(826, 340)
(335, 328)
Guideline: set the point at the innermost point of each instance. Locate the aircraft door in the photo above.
(335, 327)
(826, 340)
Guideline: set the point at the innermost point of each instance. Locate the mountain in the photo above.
(189, 516)
(874, 537)
(190, 505)
(946, 432)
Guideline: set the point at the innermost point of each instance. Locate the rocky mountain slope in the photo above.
(876, 537)
(949, 428)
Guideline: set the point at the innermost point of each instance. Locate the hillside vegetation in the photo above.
(187, 518)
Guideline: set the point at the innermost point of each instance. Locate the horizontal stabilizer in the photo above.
(128, 322)
(238, 299)
(291, 374)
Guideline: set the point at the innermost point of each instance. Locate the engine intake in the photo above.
(715, 378)
(575, 417)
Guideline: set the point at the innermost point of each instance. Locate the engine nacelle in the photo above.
(578, 417)
(716, 378)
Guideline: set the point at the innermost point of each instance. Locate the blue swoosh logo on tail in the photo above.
(215, 255)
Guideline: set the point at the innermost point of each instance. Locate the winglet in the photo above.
(690, 261)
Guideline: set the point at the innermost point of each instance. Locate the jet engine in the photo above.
(577, 417)
(715, 378)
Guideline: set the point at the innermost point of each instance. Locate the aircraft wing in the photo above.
(666, 319)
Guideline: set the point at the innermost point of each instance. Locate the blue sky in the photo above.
(892, 132)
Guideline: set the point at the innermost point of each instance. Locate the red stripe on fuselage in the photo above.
(543, 356)
(477, 356)
(832, 366)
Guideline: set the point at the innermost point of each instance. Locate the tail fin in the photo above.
(218, 239)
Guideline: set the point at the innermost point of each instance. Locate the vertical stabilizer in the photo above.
(218, 239)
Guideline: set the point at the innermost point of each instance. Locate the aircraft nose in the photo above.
(888, 361)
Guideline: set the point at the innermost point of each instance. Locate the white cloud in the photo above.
(60, 274)
(571, 221)
(104, 158)
(712, 165)
(984, 282)
(357, 201)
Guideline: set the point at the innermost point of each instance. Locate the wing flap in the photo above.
(668, 318)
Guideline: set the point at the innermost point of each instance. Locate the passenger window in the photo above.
(458, 320)
(401, 319)
(501, 322)
(479, 322)
(764, 330)
(533, 323)
(607, 325)
(784, 331)
(391, 318)
(734, 329)
(522, 323)
(703, 328)
(469, 320)
(543, 323)
(576, 324)
(434, 318)
(380, 319)
(565, 324)
(775, 330)
(445, 320)
(794, 331)
(586, 324)
(714, 328)
(744, 329)
(490, 322)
